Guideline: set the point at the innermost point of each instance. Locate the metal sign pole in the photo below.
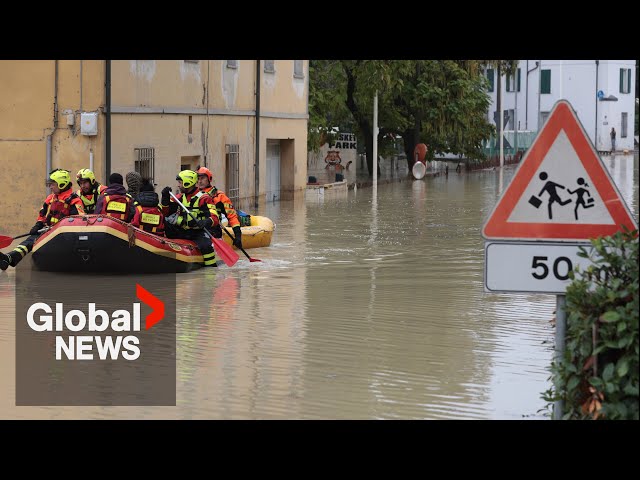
(561, 327)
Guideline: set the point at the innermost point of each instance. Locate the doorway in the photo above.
(273, 170)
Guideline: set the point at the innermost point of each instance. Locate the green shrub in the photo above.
(597, 378)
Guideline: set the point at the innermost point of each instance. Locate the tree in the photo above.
(327, 109)
(443, 102)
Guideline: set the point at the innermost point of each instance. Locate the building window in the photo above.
(232, 63)
(269, 66)
(144, 162)
(192, 61)
(232, 163)
(298, 69)
(545, 81)
(510, 82)
(625, 80)
(490, 78)
(543, 118)
(623, 132)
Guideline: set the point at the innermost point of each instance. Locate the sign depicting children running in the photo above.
(561, 191)
(550, 188)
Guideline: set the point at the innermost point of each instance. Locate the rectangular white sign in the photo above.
(536, 267)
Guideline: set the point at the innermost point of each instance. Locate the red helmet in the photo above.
(207, 172)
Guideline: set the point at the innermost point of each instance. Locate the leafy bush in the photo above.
(597, 378)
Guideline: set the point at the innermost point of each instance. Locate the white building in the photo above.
(602, 92)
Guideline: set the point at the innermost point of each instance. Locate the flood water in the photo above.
(363, 308)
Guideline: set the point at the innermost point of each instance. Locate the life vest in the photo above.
(230, 212)
(149, 219)
(117, 206)
(89, 200)
(184, 220)
(59, 206)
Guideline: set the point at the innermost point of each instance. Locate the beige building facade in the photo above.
(156, 117)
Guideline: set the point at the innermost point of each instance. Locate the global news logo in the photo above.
(121, 327)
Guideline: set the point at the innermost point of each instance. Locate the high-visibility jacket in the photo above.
(117, 206)
(89, 199)
(201, 206)
(58, 206)
(230, 212)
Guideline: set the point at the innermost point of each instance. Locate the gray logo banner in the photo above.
(82, 339)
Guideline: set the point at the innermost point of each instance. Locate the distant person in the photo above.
(90, 189)
(115, 201)
(222, 202)
(613, 139)
(148, 216)
(61, 203)
(134, 182)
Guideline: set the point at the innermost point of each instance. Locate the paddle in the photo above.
(234, 239)
(6, 241)
(226, 253)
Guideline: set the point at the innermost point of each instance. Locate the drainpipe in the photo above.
(257, 165)
(107, 134)
(55, 125)
(595, 137)
(80, 85)
(526, 110)
(539, 62)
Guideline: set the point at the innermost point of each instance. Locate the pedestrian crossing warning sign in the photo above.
(561, 191)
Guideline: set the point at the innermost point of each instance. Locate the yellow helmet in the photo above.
(189, 178)
(86, 174)
(61, 177)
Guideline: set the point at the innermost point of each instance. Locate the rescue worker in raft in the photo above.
(148, 216)
(90, 189)
(222, 202)
(179, 224)
(62, 202)
(115, 201)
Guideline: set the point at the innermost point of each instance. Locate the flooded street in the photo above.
(363, 307)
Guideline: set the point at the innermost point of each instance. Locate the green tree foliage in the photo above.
(441, 103)
(598, 376)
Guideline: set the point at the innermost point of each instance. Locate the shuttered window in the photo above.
(545, 81)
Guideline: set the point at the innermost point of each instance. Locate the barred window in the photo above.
(232, 161)
(144, 162)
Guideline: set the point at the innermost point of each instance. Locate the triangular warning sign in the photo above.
(561, 191)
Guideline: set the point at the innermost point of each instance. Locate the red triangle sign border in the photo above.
(561, 118)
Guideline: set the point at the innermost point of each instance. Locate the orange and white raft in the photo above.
(97, 243)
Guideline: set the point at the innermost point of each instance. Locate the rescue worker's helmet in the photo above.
(85, 174)
(189, 178)
(60, 177)
(205, 171)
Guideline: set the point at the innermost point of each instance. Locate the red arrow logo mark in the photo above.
(152, 301)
